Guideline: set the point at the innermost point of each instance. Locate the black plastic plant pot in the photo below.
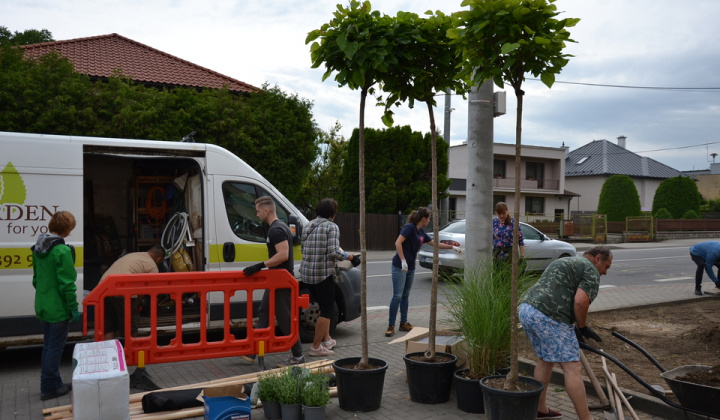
(468, 393)
(359, 390)
(429, 382)
(517, 405)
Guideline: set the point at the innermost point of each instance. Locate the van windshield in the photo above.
(240, 207)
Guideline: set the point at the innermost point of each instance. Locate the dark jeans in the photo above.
(54, 338)
(700, 261)
(282, 315)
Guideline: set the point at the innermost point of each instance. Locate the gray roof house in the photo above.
(587, 168)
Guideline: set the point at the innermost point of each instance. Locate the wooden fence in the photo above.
(381, 230)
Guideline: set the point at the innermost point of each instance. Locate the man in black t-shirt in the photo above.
(280, 256)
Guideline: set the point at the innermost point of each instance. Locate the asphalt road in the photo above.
(631, 267)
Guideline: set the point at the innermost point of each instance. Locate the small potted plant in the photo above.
(268, 393)
(315, 395)
(289, 392)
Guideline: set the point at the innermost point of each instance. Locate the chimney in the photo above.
(621, 141)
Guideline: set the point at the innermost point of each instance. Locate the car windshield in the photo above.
(455, 227)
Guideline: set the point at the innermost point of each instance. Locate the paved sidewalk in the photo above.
(21, 400)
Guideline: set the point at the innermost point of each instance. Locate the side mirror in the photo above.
(295, 229)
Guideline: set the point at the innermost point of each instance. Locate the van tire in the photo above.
(309, 316)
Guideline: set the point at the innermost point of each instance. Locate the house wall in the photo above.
(709, 186)
(591, 186)
(551, 190)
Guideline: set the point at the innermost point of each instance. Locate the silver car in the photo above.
(540, 250)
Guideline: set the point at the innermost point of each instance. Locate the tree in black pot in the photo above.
(502, 40)
(357, 45)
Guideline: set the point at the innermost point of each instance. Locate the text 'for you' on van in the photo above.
(196, 200)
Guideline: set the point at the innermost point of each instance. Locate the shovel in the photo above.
(605, 403)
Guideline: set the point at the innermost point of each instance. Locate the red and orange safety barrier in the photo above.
(182, 284)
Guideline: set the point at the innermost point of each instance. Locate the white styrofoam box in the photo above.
(100, 380)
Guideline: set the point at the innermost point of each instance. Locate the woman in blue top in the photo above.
(503, 226)
(407, 245)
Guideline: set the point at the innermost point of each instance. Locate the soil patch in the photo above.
(674, 334)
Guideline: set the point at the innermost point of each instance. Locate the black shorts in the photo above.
(324, 294)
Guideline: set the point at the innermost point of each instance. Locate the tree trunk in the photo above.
(430, 353)
(511, 380)
(363, 265)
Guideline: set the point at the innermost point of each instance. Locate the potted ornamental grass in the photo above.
(477, 307)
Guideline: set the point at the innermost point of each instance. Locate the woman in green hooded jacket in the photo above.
(56, 303)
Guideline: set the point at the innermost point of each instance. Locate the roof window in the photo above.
(582, 160)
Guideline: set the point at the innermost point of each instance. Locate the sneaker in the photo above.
(717, 285)
(698, 292)
(63, 389)
(329, 344)
(406, 326)
(320, 352)
(551, 414)
(390, 331)
(292, 361)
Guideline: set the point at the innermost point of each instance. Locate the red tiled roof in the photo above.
(101, 56)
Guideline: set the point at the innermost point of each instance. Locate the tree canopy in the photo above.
(398, 171)
(30, 36)
(619, 198)
(267, 129)
(677, 195)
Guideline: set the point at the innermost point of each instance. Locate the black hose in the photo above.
(627, 370)
(640, 349)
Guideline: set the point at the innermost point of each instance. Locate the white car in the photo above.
(540, 250)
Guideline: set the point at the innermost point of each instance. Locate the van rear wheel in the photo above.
(308, 318)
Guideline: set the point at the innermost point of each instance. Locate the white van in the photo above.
(128, 195)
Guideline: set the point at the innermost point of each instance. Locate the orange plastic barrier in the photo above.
(177, 285)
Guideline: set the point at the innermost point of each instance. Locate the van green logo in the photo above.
(12, 187)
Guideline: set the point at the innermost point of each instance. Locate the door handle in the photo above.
(229, 251)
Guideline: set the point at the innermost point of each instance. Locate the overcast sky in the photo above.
(631, 43)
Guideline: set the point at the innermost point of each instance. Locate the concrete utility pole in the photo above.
(445, 202)
(479, 190)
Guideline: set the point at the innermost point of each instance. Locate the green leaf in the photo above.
(312, 35)
(570, 22)
(548, 78)
(508, 47)
(542, 41)
(453, 33)
(387, 118)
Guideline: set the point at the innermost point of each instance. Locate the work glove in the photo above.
(75, 316)
(249, 271)
(356, 260)
(404, 266)
(586, 332)
(457, 249)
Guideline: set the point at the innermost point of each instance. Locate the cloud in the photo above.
(619, 42)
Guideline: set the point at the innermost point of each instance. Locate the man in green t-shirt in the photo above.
(553, 314)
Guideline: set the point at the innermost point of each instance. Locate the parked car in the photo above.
(540, 250)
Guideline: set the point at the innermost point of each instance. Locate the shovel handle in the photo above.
(596, 384)
(616, 389)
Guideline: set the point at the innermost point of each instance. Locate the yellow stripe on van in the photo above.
(21, 258)
(248, 252)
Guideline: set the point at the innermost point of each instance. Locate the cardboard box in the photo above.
(445, 341)
(100, 380)
(226, 403)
